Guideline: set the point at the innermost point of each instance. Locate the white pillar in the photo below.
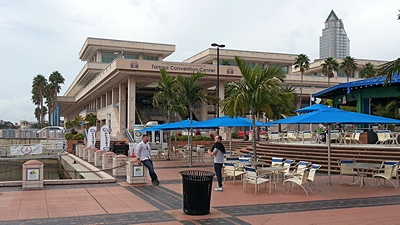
(122, 109)
(131, 102)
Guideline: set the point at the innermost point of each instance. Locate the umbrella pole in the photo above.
(329, 155)
(230, 140)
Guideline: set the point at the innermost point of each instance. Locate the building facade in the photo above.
(118, 81)
(334, 41)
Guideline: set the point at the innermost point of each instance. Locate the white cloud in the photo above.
(15, 109)
(38, 37)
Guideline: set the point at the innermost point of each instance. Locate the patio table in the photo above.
(274, 172)
(362, 167)
(241, 164)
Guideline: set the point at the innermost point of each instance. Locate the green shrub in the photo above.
(183, 138)
(70, 136)
(234, 135)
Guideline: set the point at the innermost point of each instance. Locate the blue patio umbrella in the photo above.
(331, 116)
(227, 121)
(184, 124)
(154, 128)
(311, 108)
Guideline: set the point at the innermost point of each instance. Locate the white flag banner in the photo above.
(91, 137)
(25, 149)
(105, 138)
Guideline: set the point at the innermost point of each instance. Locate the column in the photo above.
(221, 95)
(131, 102)
(122, 108)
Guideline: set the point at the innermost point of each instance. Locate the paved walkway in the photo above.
(121, 203)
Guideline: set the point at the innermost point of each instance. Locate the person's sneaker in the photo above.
(218, 189)
(156, 182)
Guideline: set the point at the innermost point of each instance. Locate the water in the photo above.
(11, 170)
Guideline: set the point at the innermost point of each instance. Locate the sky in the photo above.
(42, 36)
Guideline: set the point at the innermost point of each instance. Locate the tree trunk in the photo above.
(253, 122)
(169, 136)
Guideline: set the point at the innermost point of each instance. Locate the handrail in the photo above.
(129, 136)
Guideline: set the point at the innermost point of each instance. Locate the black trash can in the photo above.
(372, 137)
(197, 187)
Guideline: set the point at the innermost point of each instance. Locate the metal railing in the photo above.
(129, 136)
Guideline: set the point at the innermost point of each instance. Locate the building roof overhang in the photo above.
(344, 88)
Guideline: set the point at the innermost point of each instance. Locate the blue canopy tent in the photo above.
(311, 108)
(331, 116)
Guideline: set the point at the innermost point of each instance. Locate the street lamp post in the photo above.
(217, 88)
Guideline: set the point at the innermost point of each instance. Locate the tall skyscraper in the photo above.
(334, 41)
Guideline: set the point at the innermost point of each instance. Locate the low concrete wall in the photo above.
(71, 163)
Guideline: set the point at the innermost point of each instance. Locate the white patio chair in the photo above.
(305, 136)
(291, 136)
(274, 137)
(286, 168)
(311, 177)
(387, 171)
(299, 180)
(345, 170)
(385, 137)
(276, 161)
(300, 167)
(233, 171)
(252, 178)
(354, 137)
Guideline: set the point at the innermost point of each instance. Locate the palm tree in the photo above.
(37, 114)
(255, 92)
(55, 79)
(91, 119)
(284, 104)
(389, 110)
(164, 98)
(368, 71)
(38, 85)
(49, 95)
(191, 93)
(389, 69)
(349, 65)
(329, 67)
(303, 63)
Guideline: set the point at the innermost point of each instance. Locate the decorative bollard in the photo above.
(91, 154)
(81, 152)
(135, 174)
(107, 160)
(78, 149)
(98, 157)
(119, 165)
(32, 175)
(85, 153)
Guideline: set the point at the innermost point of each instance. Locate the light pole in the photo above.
(217, 88)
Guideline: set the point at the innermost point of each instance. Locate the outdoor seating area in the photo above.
(277, 172)
(386, 171)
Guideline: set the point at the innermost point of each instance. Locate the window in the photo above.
(131, 56)
(150, 57)
(107, 57)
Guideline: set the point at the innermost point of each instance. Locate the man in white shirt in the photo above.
(143, 153)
